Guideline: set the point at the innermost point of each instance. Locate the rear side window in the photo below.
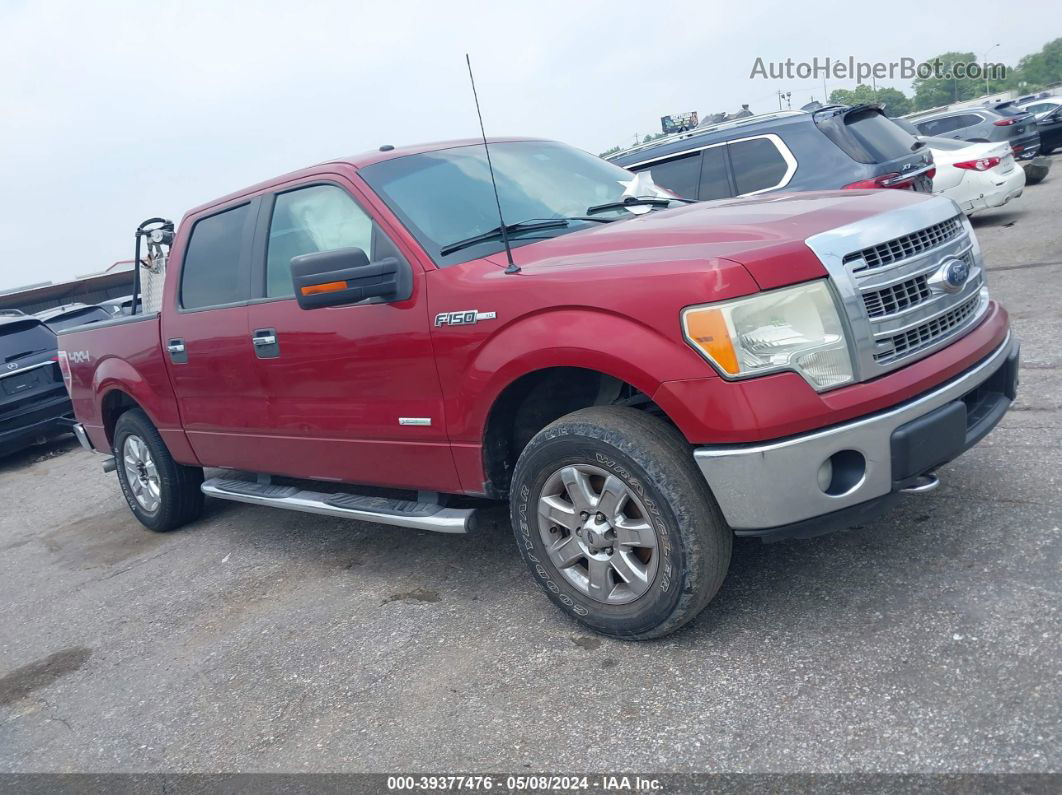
(680, 176)
(948, 124)
(757, 164)
(23, 338)
(212, 275)
(714, 184)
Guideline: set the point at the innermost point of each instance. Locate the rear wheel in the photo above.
(161, 493)
(616, 523)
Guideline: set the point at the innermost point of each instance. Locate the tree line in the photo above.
(1033, 73)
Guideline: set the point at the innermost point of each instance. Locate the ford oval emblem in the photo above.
(951, 276)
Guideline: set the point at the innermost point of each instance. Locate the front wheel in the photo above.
(161, 493)
(616, 523)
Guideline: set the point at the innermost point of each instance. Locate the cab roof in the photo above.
(354, 161)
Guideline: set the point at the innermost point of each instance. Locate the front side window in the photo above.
(446, 196)
(211, 275)
(308, 220)
(757, 164)
(680, 176)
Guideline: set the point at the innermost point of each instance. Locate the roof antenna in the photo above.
(512, 267)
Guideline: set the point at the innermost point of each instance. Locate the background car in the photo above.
(977, 176)
(1001, 123)
(70, 315)
(121, 306)
(838, 146)
(33, 400)
(1048, 114)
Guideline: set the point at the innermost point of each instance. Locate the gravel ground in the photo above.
(259, 640)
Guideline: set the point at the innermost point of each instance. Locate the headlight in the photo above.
(795, 328)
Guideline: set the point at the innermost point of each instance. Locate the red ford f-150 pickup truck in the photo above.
(651, 378)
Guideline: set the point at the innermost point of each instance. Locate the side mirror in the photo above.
(345, 276)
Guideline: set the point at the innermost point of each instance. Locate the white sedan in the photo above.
(976, 176)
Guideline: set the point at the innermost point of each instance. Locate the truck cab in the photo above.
(399, 335)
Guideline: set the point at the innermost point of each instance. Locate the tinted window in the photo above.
(679, 176)
(879, 137)
(318, 218)
(23, 338)
(211, 275)
(79, 317)
(757, 164)
(941, 126)
(714, 183)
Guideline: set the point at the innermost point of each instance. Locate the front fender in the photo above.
(593, 339)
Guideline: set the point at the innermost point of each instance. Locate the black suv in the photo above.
(837, 146)
(34, 403)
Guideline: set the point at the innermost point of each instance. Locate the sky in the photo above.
(112, 112)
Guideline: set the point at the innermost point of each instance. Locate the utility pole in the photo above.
(784, 95)
(984, 60)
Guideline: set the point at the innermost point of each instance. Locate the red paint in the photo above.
(606, 298)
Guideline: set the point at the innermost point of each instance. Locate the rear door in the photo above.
(352, 392)
(206, 338)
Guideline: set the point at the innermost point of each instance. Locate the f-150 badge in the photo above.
(465, 317)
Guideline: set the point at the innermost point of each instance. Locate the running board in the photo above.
(400, 513)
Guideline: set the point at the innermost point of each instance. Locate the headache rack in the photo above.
(149, 273)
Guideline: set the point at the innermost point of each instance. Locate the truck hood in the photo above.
(765, 233)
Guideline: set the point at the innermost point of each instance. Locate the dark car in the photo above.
(833, 147)
(1049, 125)
(70, 315)
(1002, 122)
(33, 400)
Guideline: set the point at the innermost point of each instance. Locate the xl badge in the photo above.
(951, 276)
(465, 317)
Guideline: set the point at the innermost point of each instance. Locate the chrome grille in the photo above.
(911, 292)
(897, 297)
(913, 340)
(905, 247)
(888, 275)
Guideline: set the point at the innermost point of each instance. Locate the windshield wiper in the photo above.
(529, 225)
(635, 201)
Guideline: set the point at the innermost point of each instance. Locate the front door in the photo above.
(352, 392)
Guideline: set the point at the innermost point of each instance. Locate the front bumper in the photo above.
(776, 488)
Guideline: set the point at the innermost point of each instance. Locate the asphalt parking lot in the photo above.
(259, 640)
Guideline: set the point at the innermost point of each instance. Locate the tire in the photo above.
(651, 586)
(161, 493)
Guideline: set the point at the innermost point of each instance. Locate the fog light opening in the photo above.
(842, 472)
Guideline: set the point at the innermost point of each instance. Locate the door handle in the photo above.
(265, 343)
(178, 355)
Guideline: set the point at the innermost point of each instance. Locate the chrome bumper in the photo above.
(82, 437)
(774, 484)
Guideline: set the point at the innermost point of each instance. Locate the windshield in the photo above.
(22, 338)
(446, 196)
